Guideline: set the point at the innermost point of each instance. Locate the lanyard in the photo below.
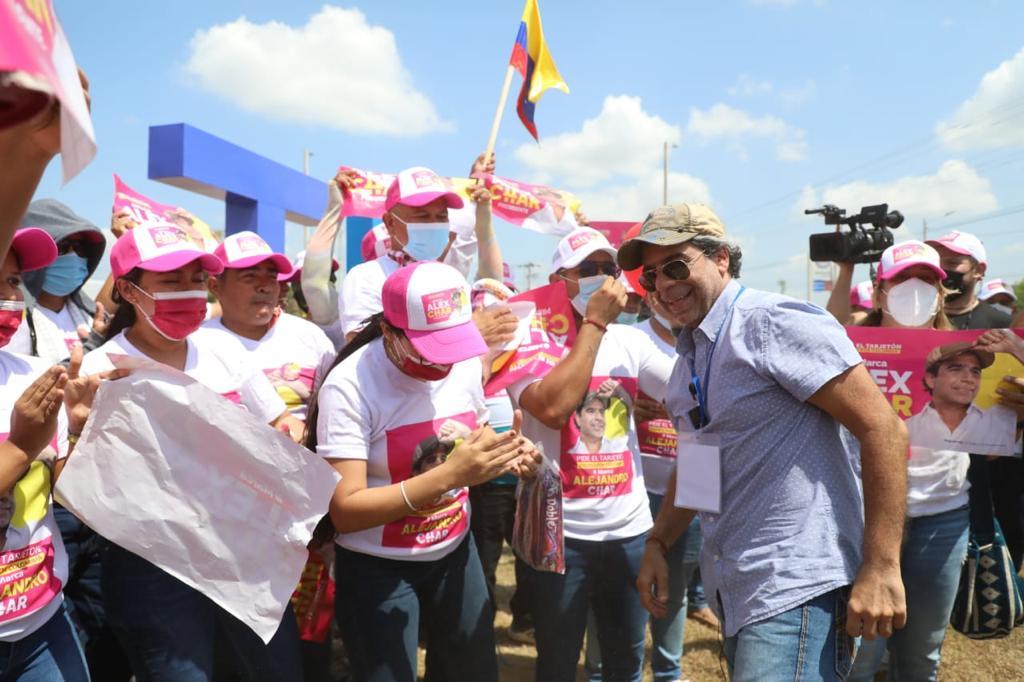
(699, 389)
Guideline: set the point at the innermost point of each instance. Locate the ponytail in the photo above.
(371, 330)
(125, 316)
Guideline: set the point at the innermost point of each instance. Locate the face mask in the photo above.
(65, 274)
(176, 313)
(912, 303)
(627, 318)
(427, 241)
(588, 285)
(11, 314)
(662, 321)
(1003, 308)
(955, 282)
(414, 367)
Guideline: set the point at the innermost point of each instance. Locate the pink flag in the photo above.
(144, 210)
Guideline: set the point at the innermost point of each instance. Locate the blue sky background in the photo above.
(775, 106)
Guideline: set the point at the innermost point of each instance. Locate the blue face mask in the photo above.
(65, 274)
(588, 285)
(627, 318)
(426, 241)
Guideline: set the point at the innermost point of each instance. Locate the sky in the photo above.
(773, 106)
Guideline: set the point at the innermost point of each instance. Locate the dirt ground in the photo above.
(963, 659)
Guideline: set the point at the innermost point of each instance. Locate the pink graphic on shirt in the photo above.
(413, 449)
(294, 383)
(657, 436)
(27, 581)
(596, 461)
(233, 396)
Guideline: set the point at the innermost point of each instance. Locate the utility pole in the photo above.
(924, 230)
(664, 174)
(529, 269)
(782, 286)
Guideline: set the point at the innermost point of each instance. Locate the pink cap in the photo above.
(861, 295)
(246, 249)
(574, 248)
(994, 287)
(34, 248)
(429, 301)
(375, 243)
(158, 247)
(296, 272)
(964, 243)
(899, 257)
(418, 186)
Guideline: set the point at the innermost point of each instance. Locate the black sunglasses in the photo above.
(589, 268)
(675, 269)
(66, 246)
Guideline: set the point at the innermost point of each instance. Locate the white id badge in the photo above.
(699, 472)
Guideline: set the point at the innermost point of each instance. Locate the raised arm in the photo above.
(489, 252)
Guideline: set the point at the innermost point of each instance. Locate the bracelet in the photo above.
(73, 438)
(587, 320)
(651, 539)
(405, 496)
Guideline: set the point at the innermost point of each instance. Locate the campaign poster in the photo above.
(413, 449)
(596, 461)
(943, 387)
(144, 210)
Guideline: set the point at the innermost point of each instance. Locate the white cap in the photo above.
(574, 248)
(964, 243)
(899, 257)
(994, 287)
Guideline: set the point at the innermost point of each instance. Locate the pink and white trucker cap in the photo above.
(574, 248)
(418, 186)
(34, 248)
(994, 287)
(246, 249)
(158, 247)
(861, 295)
(429, 301)
(899, 257)
(375, 243)
(964, 243)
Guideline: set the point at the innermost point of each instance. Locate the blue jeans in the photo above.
(933, 553)
(169, 630)
(50, 653)
(695, 599)
(598, 575)
(381, 603)
(808, 642)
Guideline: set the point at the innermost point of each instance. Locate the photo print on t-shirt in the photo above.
(596, 460)
(293, 383)
(413, 449)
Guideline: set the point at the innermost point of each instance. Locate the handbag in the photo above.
(988, 602)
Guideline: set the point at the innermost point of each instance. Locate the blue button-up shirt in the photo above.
(792, 516)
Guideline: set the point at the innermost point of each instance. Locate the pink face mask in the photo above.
(176, 313)
(414, 367)
(11, 313)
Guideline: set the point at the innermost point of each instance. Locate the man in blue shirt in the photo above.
(793, 553)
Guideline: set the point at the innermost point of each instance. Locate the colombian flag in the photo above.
(531, 59)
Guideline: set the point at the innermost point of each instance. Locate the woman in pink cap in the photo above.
(37, 639)
(405, 389)
(908, 295)
(167, 628)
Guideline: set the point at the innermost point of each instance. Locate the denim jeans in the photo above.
(695, 598)
(933, 553)
(381, 603)
(808, 642)
(598, 575)
(494, 513)
(50, 653)
(169, 630)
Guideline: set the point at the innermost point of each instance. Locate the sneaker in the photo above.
(524, 636)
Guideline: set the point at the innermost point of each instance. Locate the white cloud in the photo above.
(747, 86)
(723, 122)
(955, 186)
(634, 200)
(622, 139)
(799, 95)
(992, 116)
(337, 71)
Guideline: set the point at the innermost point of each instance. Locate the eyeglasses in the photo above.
(589, 268)
(676, 269)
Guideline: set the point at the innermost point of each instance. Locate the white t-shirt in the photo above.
(936, 481)
(214, 359)
(361, 292)
(371, 411)
(294, 354)
(56, 333)
(657, 437)
(992, 428)
(33, 563)
(603, 493)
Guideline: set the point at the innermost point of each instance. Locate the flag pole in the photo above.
(501, 109)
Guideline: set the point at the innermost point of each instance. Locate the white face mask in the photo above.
(1003, 308)
(912, 303)
(588, 285)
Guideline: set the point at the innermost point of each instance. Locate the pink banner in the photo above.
(144, 210)
(614, 231)
(657, 436)
(942, 386)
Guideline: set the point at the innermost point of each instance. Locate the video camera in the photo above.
(859, 245)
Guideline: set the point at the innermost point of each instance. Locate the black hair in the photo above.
(372, 330)
(593, 395)
(125, 316)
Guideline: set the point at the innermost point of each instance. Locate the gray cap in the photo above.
(668, 225)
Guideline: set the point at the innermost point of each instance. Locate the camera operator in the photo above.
(841, 301)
